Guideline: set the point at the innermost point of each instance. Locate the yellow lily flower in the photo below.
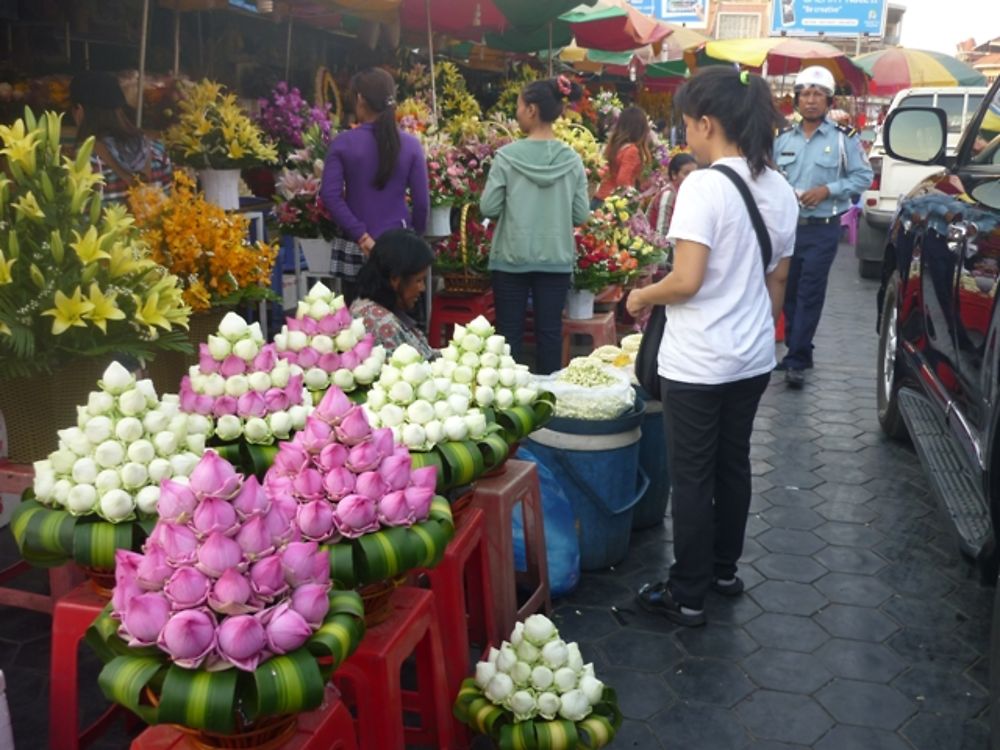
(88, 247)
(5, 266)
(148, 312)
(68, 311)
(103, 308)
(28, 208)
(4, 329)
(19, 145)
(124, 261)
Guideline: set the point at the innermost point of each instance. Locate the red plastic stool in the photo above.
(72, 615)
(447, 310)
(497, 496)
(600, 328)
(329, 727)
(370, 678)
(463, 594)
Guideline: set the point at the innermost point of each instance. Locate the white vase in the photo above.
(440, 222)
(580, 304)
(318, 253)
(221, 187)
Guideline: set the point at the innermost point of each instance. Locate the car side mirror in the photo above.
(916, 134)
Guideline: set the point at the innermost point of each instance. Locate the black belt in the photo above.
(811, 220)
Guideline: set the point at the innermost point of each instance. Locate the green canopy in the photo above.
(535, 40)
(528, 14)
(669, 69)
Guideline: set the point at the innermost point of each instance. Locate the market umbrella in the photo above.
(665, 76)
(614, 27)
(465, 19)
(681, 39)
(891, 70)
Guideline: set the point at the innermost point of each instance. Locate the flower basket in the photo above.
(465, 282)
(462, 274)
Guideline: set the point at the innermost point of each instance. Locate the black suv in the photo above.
(939, 328)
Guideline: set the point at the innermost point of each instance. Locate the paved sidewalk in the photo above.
(862, 628)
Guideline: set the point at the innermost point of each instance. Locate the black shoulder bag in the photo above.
(646, 367)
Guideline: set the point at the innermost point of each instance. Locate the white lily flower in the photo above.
(81, 499)
(116, 505)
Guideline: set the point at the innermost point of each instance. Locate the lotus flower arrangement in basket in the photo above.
(99, 490)
(226, 620)
(536, 691)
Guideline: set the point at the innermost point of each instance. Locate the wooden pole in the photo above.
(550, 49)
(288, 49)
(143, 39)
(177, 43)
(430, 53)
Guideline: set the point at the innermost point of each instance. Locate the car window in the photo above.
(986, 140)
(953, 105)
(916, 100)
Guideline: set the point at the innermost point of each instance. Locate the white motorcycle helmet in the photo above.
(816, 76)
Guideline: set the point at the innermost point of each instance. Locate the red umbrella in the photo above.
(466, 19)
(614, 28)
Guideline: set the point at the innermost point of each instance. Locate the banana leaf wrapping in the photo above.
(199, 699)
(476, 711)
(394, 551)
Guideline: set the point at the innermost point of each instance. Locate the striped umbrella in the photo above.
(892, 70)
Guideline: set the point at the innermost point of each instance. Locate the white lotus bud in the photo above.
(376, 398)
(109, 454)
(358, 328)
(428, 391)
(462, 375)
(548, 705)
(459, 333)
(159, 469)
(574, 659)
(195, 443)
(315, 379)
(257, 431)
(227, 427)
(44, 482)
(460, 389)
(483, 395)
(527, 651)
(134, 475)
(75, 440)
(416, 373)
(297, 340)
(555, 654)
(319, 309)
(469, 359)
(504, 398)
(107, 480)
(129, 429)
(488, 359)
(374, 420)
(116, 505)
(507, 377)
(299, 414)
(61, 490)
(517, 634)
(443, 385)
(455, 428)
(155, 421)
(437, 368)
(246, 349)
(522, 704)
(62, 461)
(420, 411)
(389, 377)
(344, 380)
(475, 421)
(147, 389)
(280, 374)
(259, 381)
(492, 655)
(442, 410)
(345, 340)
(401, 392)
(219, 347)
(450, 353)
(521, 674)
(198, 424)
(322, 343)
(494, 345)
(233, 327)
(434, 431)
(525, 396)
(592, 688)
(82, 417)
(178, 426)
(97, 429)
(146, 499)
(542, 678)
(522, 376)
(481, 327)
(365, 374)
(141, 452)
(404, 355)
(116, 379)
(280, 423)
(507, 658)
(281, 340)
(215, 385)
(84, 471)
(81, 499)
(99, 402)
(302, 309)
(484, 673)
(199, 382)
(255, 333)
(414, 436)
(237, 385)
(471, 343)
(565, 679)
(500, 688)
(507, 361)
(319, 290)
(337, 302)
(132, 403)
(539, 629)
(166, 443)
(488, 377)
(182, 464)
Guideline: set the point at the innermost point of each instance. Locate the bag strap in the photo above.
(758, 221)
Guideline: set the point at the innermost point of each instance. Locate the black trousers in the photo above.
(548, 297)
(708, 452)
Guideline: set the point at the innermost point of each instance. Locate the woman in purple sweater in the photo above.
(369, 171)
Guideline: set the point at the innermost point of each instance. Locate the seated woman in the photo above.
(389, 285)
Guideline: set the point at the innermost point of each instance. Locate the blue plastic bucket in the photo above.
(652, 506)
(597, 464)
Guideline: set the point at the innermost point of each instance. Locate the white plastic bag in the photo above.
(590, 402)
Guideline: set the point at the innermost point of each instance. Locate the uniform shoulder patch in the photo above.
(846, 130)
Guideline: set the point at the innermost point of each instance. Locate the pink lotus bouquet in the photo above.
(345, 479)
(242, 382)
(327, 345)
(223, 580)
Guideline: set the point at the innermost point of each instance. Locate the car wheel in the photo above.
(869, 269)
(889, 416)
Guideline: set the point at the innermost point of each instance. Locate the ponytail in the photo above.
(378, 89)
(548, 95)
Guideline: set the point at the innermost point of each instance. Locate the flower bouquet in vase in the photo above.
(225, 623)
(352, 489)
(536, 691)
(98, 492)
(328, 346)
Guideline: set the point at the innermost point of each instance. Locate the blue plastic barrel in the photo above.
(597, 464)
(652, 506)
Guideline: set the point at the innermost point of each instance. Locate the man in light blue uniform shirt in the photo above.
(826, 165)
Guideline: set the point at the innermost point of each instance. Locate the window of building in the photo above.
(738, 25)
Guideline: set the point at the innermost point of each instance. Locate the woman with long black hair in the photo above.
(627, 153)
(722, 298)
(369, 173)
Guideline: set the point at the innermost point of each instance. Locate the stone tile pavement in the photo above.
(861, 629)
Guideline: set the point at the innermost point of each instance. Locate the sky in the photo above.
(939, 26)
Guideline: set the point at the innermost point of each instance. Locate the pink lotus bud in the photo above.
(294, 324)
(188, 637)
(364, 347)
(123, 593)
(275, 399)
(278, 520)
(217, 554)
(289, 356)
(153, 568)
(232, 365)
(419, 499)
(356, 515)
(176, 502)
(316, 435)
(266, 359)
(320, 572)
(312, 601)
(332, 457)
(255, 539)
(188, 398)
(126, 565)
(370, 484)
(426, 476)
(393, 510)
(329, 324)
(342, 318)
(215, 477)
(294, 390)
(177, 541)
(144, 617)
(286, 629)
(278, 485)
(206, 362)
(298, 563)
(329, 362)
(401, 450)
(395, 470)
(339, 483)
(267, 578)
(385, 443)
(308, 357)
(224, 405)
(203, 405)
(242, 640)
(230, 594)
(187, 588)
(308, 485)
(363, 457)
(252, 500)
(291, 459)
(315, 520)
(251, 404)
(333, 406)
(349, 360)
(214, 515)
(353, 427)
(309, 325)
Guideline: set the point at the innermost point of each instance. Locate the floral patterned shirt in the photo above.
(390, 330)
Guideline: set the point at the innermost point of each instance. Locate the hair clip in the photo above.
(564, 85)
(390, 101)
(745, 77)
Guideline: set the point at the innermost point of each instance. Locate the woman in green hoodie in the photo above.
(537, 192)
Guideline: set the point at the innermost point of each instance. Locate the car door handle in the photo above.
(962, 238)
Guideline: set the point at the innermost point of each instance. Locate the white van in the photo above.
(895, 178)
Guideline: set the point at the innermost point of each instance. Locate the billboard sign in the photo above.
(690, 13)
(830, 17)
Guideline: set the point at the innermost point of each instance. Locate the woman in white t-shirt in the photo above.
(717, 350)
